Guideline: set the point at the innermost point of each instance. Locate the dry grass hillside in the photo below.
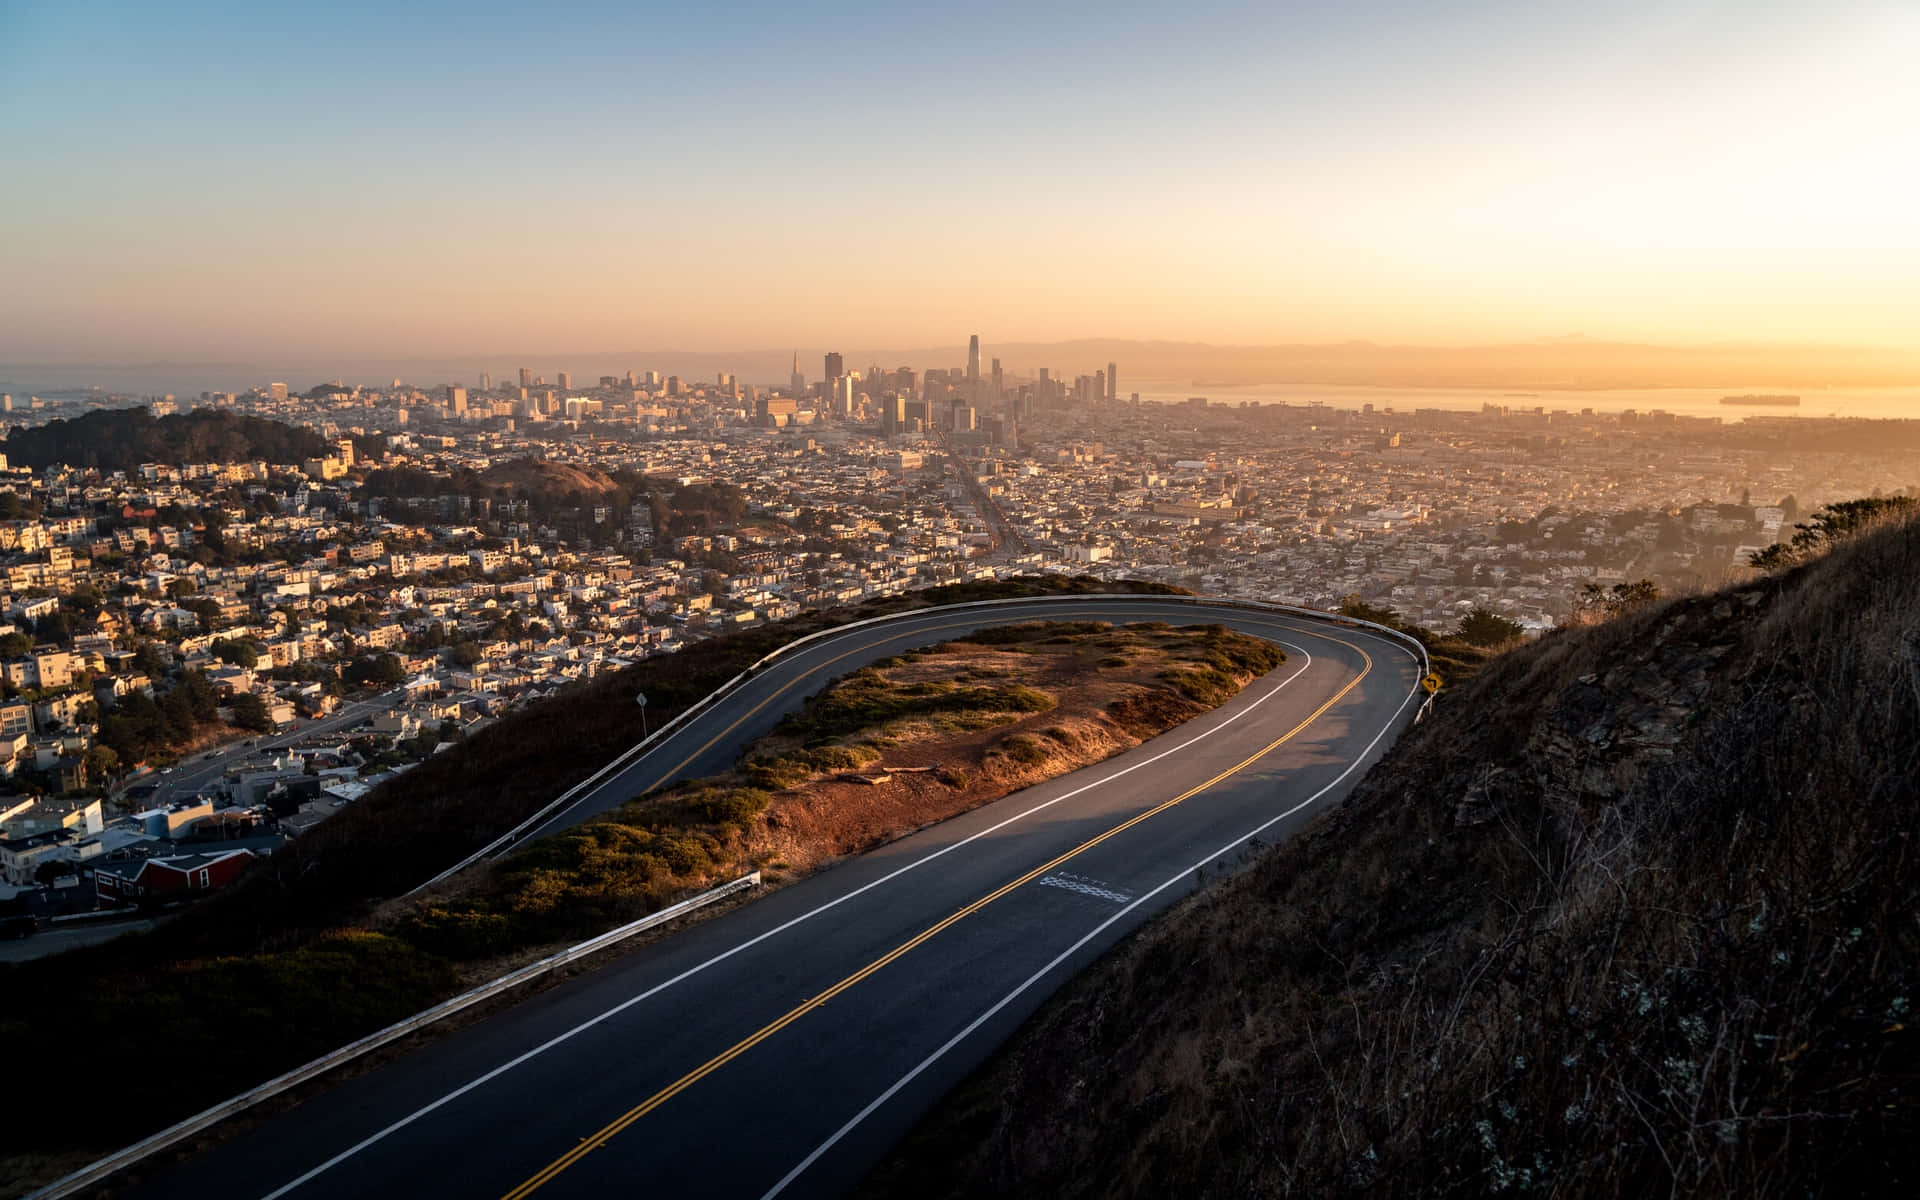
(545, 475)
(1634, 914)
(891, 748)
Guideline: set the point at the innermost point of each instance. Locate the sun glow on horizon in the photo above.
(456, 179)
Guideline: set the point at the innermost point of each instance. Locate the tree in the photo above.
(147, 657)
(207, 610)
(1353, 606)
(250, 712)
(102, 761)
(1829, 524)
(1772, 558)
(1599, 603)
(376, 669)
(13, 645)
(239, 653)
(1484, 627)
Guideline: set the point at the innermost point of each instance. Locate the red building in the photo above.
(123, 883)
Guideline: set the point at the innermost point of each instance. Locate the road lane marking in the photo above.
(999, 1006)
(614, 1127)
(811, 673)
(1085, 887)
(1293, 625)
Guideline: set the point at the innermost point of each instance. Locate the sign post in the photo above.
(1431, 683)
(642, 698)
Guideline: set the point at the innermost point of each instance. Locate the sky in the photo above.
(196, 181)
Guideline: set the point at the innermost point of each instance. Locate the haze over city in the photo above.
(749, 600)
(224, 181)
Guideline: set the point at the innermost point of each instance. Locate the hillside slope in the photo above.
(1635, 913)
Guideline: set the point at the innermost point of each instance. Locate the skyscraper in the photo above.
(486, 382)
(526, 377)
(999, 380)
(1113, 381)
(566, 381)
(835, 367)
(973, 357)
(796, 383)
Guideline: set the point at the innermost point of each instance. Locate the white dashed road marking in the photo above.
(1086, 887)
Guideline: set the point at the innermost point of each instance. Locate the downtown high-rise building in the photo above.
(566, 381)
(486, 382)
(1113, 381)
(836, 366)
(973, 357)
(797, 382)
(526, 377)
(999, 380)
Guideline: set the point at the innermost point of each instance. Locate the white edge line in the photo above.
(496, 1072)
(827, 638)
(1069, 952)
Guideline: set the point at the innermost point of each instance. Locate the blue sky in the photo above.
(214, 178)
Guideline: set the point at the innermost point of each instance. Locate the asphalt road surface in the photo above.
(197, 772)
(54, 939)
(781, 1048)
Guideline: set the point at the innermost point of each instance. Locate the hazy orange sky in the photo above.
(203, 180)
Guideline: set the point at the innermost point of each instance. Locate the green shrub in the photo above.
(459, 933)
(1202, 685)
(1025, 750)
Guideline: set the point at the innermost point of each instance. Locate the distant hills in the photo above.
(1566, 363)
(1574, 363)
(122, 439)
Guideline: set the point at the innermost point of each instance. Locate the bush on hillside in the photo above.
(1638, 914)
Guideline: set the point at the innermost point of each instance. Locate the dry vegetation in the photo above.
(292, 962)
(280, 967)
(1634, 914)
(888, 749)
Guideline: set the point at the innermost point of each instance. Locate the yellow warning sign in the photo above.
(1431, 683)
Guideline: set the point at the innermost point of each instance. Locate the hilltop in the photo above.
(121, 439)
(546, 477)
(290, 960)
(1634, 913)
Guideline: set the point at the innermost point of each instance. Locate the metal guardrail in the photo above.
(560, 802)
(798, 645)
(106, 1167)
(199, 1122)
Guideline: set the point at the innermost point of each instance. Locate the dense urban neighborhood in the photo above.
(233, 614)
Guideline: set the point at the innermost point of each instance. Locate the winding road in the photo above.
(782, 1047)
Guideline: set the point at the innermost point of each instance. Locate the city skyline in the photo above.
(298, 186)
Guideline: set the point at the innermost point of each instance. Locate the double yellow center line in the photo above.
(614, 1127)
